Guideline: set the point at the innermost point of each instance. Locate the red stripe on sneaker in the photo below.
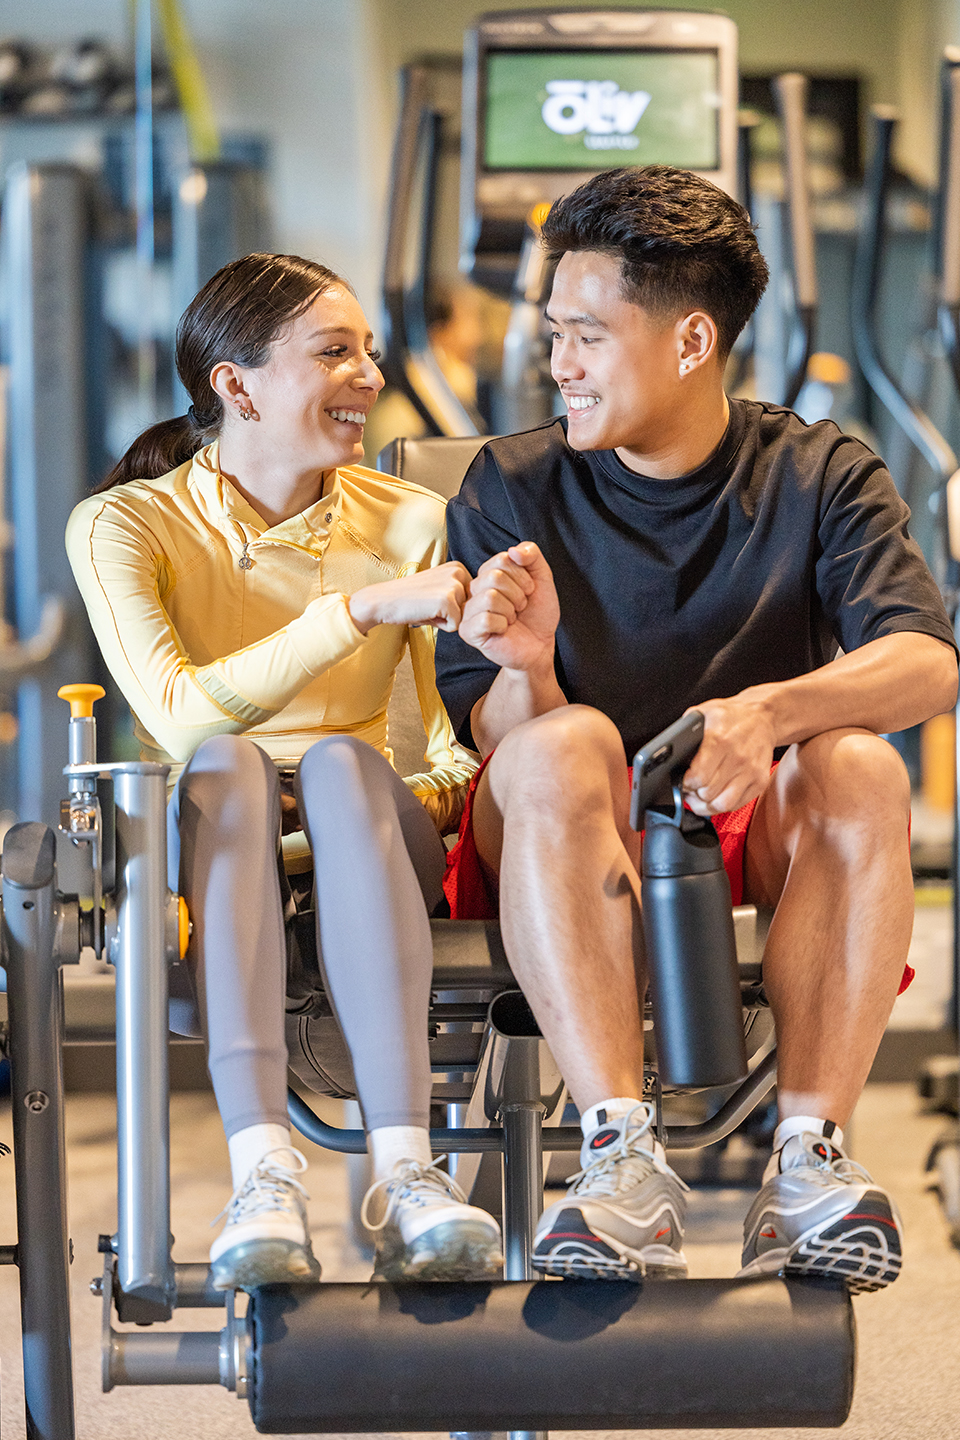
(571, 1235)
(878, 1219)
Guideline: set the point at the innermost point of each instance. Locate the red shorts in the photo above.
(473, 896)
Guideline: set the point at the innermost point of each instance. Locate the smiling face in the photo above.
(616, 364)
(318, 386)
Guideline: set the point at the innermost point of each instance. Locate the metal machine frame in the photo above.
(80, 887)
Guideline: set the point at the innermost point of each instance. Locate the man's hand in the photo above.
(513, 612)
(430, 597)
(732, 766)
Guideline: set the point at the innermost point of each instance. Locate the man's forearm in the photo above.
(514, 696)
(885, 686)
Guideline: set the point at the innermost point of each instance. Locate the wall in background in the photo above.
(297, 72)
(318, 79)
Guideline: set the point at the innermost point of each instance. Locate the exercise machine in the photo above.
(334, 1357)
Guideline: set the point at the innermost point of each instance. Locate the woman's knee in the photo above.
(335, 766)
(230, 770)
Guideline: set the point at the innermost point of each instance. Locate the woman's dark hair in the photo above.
(683, 244)
(237, 316)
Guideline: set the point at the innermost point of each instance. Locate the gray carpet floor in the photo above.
(908, 1384)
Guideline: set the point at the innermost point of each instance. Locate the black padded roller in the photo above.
(551, 1355)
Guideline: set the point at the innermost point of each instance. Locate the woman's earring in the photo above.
(685, 366)
(244, 413)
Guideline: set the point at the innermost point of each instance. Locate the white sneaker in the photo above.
(622, 1217)
(427, 1230)
(819, 1213)
(266, 1240)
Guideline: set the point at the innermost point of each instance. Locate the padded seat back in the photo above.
(437, 463)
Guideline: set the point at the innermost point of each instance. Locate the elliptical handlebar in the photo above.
(917, 425)
(409, 362)
(949, 238)
(790, 92)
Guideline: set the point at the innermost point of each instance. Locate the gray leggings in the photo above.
(378, 862)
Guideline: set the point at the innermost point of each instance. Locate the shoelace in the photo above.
(267, 1187)
(606, 1174)
(416, 1182)
(842, 1168)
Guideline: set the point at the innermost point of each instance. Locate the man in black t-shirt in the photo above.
(664, 549)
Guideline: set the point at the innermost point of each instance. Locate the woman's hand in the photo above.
(430, 597)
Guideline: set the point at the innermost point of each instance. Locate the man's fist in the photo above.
(512, 614)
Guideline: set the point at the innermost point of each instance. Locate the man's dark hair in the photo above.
(683, 243)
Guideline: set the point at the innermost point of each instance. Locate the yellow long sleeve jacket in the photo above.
(211, 623)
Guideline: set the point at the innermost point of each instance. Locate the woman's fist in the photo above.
(430, 597)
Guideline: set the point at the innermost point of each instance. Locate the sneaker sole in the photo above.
(452, 1251)
(263, 1262)
(575, 1249)
(840, 1251)
(602, 1258)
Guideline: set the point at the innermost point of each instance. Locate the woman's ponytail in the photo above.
(237, 316)
(161, 448)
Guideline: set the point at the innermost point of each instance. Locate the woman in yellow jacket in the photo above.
(252, 589)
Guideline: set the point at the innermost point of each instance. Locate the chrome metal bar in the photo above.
(144, 1265)
(522, 1185)
(195, 1288)
(180, 1357)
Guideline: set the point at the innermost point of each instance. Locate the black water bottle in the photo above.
(691, 952)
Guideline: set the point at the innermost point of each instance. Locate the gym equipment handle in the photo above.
(918, 427)
(790, 92)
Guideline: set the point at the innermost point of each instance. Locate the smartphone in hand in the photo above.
(661, 763)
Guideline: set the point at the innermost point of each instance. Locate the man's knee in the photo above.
(557, 759)
(849, 778)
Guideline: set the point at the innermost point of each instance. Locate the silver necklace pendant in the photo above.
(245, 561)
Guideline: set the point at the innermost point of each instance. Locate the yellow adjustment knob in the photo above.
(80, 698)
(185, 926)
(538, 214)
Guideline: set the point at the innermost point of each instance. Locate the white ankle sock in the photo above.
(249, 1146)
(389, 1144)
(806, 1125)
(606, 1112)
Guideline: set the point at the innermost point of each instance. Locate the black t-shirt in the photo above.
(788, 542)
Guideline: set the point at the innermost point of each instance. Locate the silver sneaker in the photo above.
(266, 1239)
(427, 1230)
(622, 1217)
(819, 1213)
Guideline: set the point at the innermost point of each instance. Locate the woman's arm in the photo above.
(118, 571)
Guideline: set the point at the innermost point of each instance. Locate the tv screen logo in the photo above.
(608, 114)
